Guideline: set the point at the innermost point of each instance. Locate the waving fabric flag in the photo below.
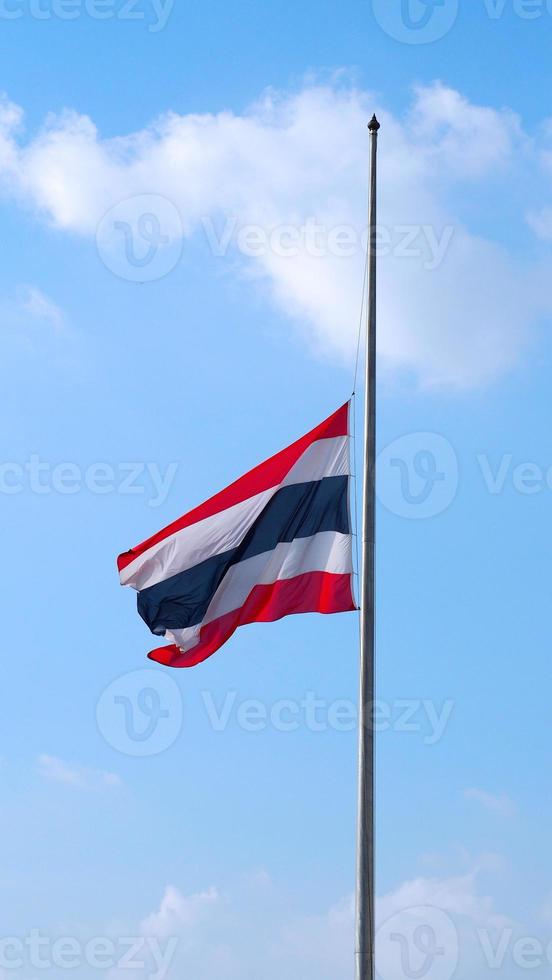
(275, 542)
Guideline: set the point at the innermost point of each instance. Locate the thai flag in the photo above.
(275, 542)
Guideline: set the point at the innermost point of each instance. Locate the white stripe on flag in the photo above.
(186, 639)
(326, 457)
(225, 530)
(192, 545)
(327, 551)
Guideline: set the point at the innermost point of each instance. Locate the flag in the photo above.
(274, 543)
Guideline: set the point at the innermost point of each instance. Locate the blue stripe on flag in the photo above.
(297, 511)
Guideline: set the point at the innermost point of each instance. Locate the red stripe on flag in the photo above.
(263, 477)
(321, 592)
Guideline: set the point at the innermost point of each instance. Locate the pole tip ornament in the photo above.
(374, 125)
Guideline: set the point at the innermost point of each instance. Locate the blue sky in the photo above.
(132, 390)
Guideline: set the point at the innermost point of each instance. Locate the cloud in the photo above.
(178, 913)
(470, 140)
(30, 320)
(10, 121)
(546, 910)
(498, 804)
(457, 895)
(248, 932)
(36, 304)
(58, 771)
(286, 182)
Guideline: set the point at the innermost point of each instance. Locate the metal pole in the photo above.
(365, 923)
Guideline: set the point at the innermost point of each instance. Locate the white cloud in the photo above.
(178, 913)
(321, 944)
(38, 305)
(58, 771)
(29, 320)
(546, 910)
(470, 140)
(501, 804)
(249, 933)
(458, 312)
(457, 895)
(541, 223)
(10, 121)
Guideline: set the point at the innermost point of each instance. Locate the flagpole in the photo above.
(365, 889)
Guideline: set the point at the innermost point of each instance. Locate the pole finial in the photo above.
(374, 125)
